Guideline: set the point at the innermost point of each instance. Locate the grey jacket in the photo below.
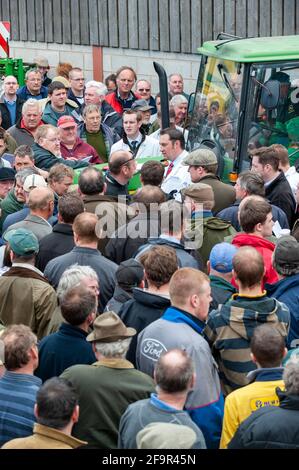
(39, 226)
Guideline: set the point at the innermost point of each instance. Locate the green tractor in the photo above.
(247, 96)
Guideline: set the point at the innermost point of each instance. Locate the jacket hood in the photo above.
(282, 286)
(214, 223)
(244, 314)
(244, 239)
(151, 300)
(162, 241)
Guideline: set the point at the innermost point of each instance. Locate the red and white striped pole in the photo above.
(4, 38)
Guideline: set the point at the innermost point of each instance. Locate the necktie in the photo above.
(134, 144)
(169, 169)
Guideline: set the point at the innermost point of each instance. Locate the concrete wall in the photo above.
(113, 58)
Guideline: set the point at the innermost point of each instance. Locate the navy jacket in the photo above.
(287, 291)
(63, 349)
(25, 94)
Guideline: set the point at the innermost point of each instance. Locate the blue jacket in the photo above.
(63, 349)
(287, 291)
(25, 94)
(179, 329)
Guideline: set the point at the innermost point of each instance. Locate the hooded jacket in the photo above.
(207, 231)
(143, 309)
(9, 205)
(221, 291)
(287, 291)
(229, 331)
(271, 427)
(44, 159)
(264, 247)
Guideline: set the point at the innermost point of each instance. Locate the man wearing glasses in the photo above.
(123, 97)
(77, 89)
(144, 89)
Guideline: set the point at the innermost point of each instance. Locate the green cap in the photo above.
(200, 157)
(22, 242)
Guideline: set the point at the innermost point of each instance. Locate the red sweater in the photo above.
(80, 150)
(264, 247)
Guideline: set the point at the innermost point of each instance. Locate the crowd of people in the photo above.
(167, 318)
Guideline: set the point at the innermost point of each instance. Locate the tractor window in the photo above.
(216, 107)
(274, 122)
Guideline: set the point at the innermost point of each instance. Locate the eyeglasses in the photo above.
(144, 89)
(127, 161)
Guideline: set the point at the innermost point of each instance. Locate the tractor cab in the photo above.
(247, 96)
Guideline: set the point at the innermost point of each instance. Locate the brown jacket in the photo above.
(27, 298)
(224, 194)
(45, 438)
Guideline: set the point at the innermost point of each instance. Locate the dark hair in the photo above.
(69, 206)
(172, 216)
(252, 183)
(152, 173)
(248, 266)
(55, 86)
(160, 263)
(252, 212)
(56, 401)
(174, 135)
(116, 164)
(91, 181)
(174, 374)
(18, 340)
(267, 344)
(76, 304)
(267, 156)
(149, 195)
(110, 78)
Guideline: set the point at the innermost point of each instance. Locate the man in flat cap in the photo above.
(203, 228)
(203, 166)
(108, 386)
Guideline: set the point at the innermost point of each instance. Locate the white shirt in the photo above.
(149, 148)
(293, 178)
(178, 179)
(156, 134)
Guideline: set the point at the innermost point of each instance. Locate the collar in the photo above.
(201, 214)
(176, 315)
(291, 171)
(71, 330)
(160, 404)
(138, 139)
(114, 363)
(27, 266)
(241, 296)
(10, 102)
(22, 377)
(170, 239)
(180, 158)
(57, 435)
(131, 97)
(266, 374)
(271, 181)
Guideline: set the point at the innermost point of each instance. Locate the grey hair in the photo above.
(100, 87)
(176, 100)
(90, 108)
(175, 75)
(291, 376)
(34, 70)
(22, 174)
(117, 348)
(30, 103)
(72, 277)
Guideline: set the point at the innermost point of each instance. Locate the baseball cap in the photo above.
(108, 328)
(41, 61)
(22, 242)
(201, 157)
(221, 257)
(286, 255)
(141, 105)
(66, 121)
(129, 273)
(34, 181)
(7, 174)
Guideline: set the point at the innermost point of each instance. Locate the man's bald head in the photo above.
(84, 227)
(248, 267)
(174, 371)
(118, 159)
(39, 198)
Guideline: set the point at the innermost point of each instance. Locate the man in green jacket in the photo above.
(107, 387)
(203, 229)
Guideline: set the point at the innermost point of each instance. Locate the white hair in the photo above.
(291, 376)
(176, 100)
(117, 348)
(29, 104)
(101, 89)
(72, 278)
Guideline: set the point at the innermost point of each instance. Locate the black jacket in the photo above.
(270, 427)
(6, 120)
(279, 193)
(111, 118)
(120, 297)
(57, 243)
(115, 189)
(124, 243)
(139, 312)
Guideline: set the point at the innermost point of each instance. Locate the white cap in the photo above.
(34, 181)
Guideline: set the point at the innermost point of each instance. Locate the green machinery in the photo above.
(15, 67)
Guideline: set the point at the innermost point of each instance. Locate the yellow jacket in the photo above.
(244, 401)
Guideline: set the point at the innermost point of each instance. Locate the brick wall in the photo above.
(113, 58)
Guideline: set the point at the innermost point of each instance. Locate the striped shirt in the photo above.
(17, 399)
